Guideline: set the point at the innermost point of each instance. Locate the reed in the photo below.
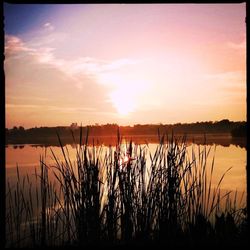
(122, 195)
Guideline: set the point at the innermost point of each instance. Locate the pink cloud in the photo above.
(238, 46)
(14, 45)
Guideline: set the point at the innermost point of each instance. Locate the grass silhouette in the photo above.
(123, 196)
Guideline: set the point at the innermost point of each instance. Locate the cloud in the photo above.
(233, 82)
(14, 45)
(16, 106)
(39, 80)
(28, 98)
(44, 55)
(227, 87)
(76, 69)
(227, 77)
(107, 77)
(71, 109)
(94, 66)
(50, 107)
(238, 46)
(48, 26)
(103, 72)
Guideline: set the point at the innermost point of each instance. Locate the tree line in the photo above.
(19, 134)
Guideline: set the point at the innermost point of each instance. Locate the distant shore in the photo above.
(222, 132)
(224, 139)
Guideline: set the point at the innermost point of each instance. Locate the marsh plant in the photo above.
(123, 195)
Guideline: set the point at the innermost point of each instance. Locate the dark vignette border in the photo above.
(2, 91)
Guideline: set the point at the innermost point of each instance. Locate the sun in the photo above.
(122, 109)
(123, 101)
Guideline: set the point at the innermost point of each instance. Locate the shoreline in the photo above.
(224, 139)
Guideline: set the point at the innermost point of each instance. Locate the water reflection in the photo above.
(211, 139)
(18, 146)
(27, 157)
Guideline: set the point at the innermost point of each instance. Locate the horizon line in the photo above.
(135, 124)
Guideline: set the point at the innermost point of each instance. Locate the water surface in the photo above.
(27, 157)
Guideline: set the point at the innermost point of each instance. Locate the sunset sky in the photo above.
(124, 63)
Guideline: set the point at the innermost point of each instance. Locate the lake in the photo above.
(27, 158)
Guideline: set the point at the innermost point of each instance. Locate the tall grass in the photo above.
(122, 195)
